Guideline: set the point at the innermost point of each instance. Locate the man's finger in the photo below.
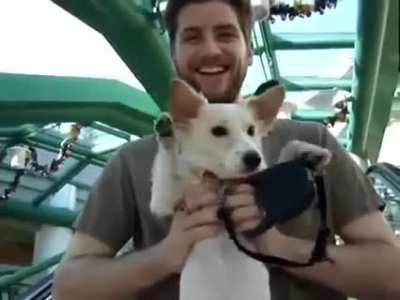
(246, 213)
(240, 200)
(206, 216)
(247, 225)
(195, 202)
(241, 188)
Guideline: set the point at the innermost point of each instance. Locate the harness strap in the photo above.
(318, 254)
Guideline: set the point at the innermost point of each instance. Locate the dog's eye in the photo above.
(219, 131)
(250, 130)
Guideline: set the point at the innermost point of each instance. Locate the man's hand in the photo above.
(197, 221)
(246, 215)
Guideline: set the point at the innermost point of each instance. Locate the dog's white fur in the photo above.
(215, 269)
(195, 149)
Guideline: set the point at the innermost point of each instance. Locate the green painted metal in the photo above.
(312, 115)
(19, 276)
(99, 161)
(306, 41)
(110, 130)
(376, 74)
(52, 143)
(258, 51)
(51, 99)
(269, 49)
(315, 83)
(24, 186)
(24, 211)
(132, 31)
(19, 132)
(69, 174)
(9, 270)
(52, 180)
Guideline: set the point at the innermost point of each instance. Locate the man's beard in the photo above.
(230, 95)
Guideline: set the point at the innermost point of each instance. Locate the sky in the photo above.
(38, 37)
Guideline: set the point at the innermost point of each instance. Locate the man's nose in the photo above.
(211, 47)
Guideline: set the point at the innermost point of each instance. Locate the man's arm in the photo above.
(89, 271)
(367, 265)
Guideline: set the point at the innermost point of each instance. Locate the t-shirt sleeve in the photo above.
(109, 212)
(351, 192)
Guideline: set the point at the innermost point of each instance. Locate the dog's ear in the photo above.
(266, 106)
(185, 102)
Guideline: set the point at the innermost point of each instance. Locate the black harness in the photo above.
(291, 188)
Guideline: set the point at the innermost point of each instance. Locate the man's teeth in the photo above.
(212, 70)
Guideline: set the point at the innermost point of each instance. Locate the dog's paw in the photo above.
(319, 157)
(163, 129)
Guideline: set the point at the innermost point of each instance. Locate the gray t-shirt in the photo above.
(118, 205)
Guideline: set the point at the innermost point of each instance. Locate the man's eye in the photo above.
(226, 36)
(219, 131)
(190, 38)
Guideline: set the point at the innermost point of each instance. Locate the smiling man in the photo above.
(211, 49)
(210, 46)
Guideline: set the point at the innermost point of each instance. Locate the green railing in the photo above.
(12, 282)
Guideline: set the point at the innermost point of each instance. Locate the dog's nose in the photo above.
(251, 160)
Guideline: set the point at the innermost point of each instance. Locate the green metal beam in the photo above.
(24, 186)
(312, 115)
(269, 49)
(53, 99)
(133, 33)
(69, 174)
(24, 211)
(7, 270)
(53, 142)
(19, 132)
(19, 276)
(376, 74)
(110, 130)
(306, 41)
(315, 83)
(51, 180)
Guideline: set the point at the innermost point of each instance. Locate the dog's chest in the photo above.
(216, 270)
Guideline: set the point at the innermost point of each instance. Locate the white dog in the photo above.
(224, 139)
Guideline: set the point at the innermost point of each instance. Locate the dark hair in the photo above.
(241, 7)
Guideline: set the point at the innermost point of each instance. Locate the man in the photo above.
(210, 47)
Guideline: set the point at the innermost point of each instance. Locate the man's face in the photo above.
(210, 51)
